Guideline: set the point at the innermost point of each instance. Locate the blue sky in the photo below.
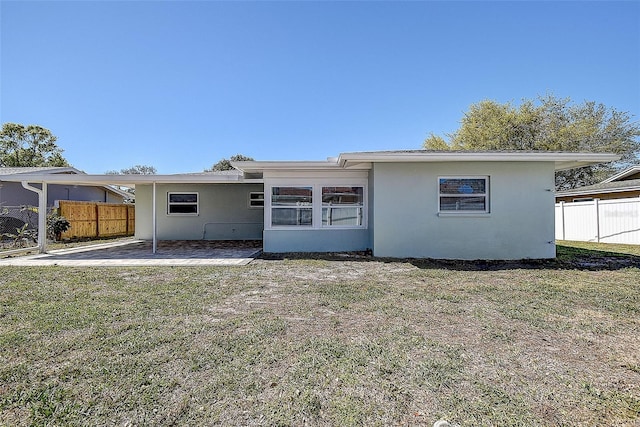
(181, 85)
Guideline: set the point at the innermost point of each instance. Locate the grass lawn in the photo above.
(320, 341)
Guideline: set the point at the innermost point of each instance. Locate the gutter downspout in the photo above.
(42, 214)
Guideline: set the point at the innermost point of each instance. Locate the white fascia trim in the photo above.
(259, 166)
(562, 161)
(127, 180)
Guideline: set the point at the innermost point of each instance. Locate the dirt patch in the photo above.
(588, 261)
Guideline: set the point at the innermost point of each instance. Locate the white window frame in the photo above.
(169, 204)
(305, 207)
(362, 207)
(316, 205)
(252, 200)
(487, 209)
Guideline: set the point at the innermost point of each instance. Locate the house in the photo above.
(413, 203)
(15, 199)
(14, 194)
(622, 185)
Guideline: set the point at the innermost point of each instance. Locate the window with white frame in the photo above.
(292, 206)
(256, 199)
(460, 194)
(182, 204)
(342, 206)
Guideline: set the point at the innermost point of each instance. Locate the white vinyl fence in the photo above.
(606, 221)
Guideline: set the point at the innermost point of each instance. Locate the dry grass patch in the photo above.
(321, 342)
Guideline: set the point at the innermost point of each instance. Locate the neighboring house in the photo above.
(415, 203)
(14, 194)
(622, 185)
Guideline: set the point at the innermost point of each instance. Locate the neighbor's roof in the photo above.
(38, 170)
(68, 174)
(624, 174)
(603, 187)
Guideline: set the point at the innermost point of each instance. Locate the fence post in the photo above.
(597, 205)
(97, 208)
(562, 214)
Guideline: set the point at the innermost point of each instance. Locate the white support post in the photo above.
(42, 219)
(42, 214)
(153, 221)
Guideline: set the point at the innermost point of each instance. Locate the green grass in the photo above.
(568, 248)
(321, 342)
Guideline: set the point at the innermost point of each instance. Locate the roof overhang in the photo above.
(561, 160)
(253, 167)
(127, 180)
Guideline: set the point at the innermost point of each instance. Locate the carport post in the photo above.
(153, 221)
(42, 219)
(42, 214)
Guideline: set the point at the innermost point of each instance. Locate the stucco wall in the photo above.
(520, 223)
(317, 238)
(324, 240)
(224, 213)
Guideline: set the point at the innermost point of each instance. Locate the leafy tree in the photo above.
(135, 170)
(28, 146)
(548, 124)
(225, 164)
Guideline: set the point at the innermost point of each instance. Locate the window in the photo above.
(463, 194)
(292, 206)
(256, 199)
(342, 206)
(182, 203)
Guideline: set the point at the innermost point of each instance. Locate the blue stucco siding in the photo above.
(224, 213)
(314, 240)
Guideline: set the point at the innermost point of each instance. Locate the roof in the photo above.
(603, 187)
(624, 174)
(364, 159)
(563, 160)
(131, 180)
(39, 170)
(213, 173)
(249, 172)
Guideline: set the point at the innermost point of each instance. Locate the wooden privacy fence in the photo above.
(91, 219)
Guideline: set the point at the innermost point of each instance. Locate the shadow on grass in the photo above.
(567, 258)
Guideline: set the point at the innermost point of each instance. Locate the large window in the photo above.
(317, 205)
(292, 206)
(464, 194)
(342, 206)
(182, 203)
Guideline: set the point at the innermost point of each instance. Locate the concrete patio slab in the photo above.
(139, 253)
